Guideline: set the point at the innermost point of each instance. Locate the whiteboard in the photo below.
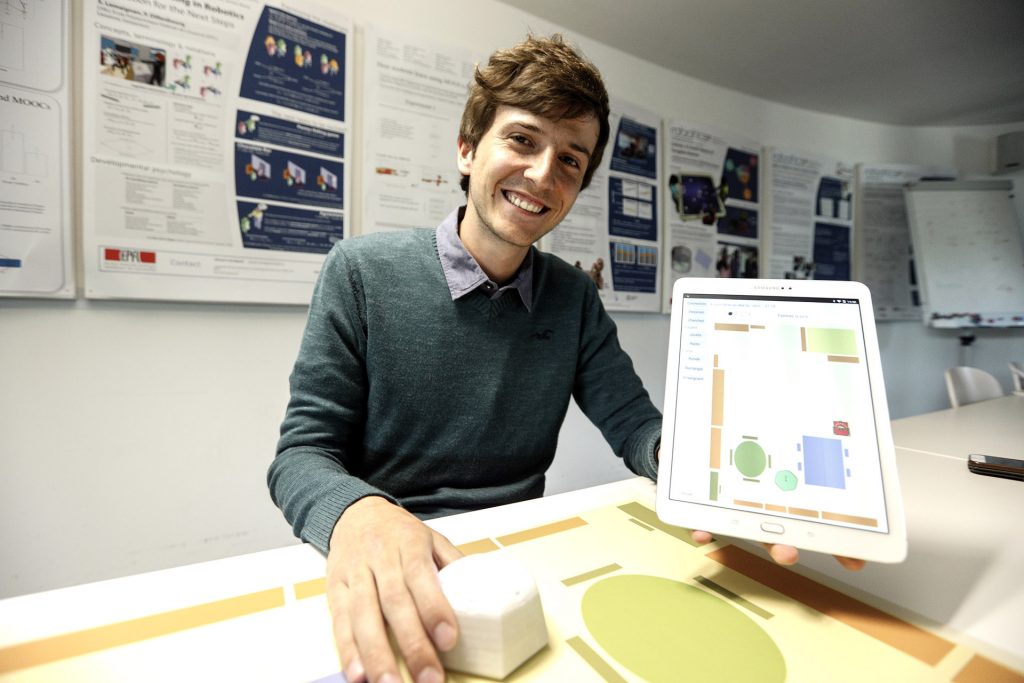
(969, 253)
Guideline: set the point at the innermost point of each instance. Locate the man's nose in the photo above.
(541, 168)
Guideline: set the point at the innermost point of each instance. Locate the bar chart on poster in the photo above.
(970, 253)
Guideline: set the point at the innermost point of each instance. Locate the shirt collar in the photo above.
(464, 274)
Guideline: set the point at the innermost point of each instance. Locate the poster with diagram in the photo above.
(810, 209)
(36, 258)
(712, 190)
(413, 95)
(215, 143)
(613, 232)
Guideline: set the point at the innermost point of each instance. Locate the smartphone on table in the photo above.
(996, 466)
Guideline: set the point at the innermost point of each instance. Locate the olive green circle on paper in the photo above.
(666, 631)
(750, 459)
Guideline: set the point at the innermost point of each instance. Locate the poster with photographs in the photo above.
(613, 231)
(215, 147)
(712, 183)
(810, 207)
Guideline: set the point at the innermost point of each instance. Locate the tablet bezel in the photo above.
(877, 546)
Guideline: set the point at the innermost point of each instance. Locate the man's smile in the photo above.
(524, 203)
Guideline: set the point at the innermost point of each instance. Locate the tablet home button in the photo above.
(772, 528)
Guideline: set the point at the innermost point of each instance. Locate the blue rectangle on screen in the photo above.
(823, 462)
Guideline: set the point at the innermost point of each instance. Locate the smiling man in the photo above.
(437, 366)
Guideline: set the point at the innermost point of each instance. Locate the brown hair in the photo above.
(544, 76)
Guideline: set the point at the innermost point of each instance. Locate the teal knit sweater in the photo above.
(444, 406)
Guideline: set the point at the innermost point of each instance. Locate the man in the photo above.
(437, 366)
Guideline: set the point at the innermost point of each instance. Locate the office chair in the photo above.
(970, 385)
(1017, 373)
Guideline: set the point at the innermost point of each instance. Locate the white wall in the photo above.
(136, 436)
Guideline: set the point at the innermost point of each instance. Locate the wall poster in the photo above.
(614, 231)
(810, 209)
(712, 183)
(413, 98)
(36, 221)
(216, 141)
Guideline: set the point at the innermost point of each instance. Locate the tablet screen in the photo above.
(773, 410)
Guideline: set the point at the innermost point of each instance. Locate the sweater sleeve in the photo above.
(610, 393)
(312, 476)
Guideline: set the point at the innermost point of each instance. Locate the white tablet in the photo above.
(776, 425)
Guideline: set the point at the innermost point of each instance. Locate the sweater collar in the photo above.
(464, 274)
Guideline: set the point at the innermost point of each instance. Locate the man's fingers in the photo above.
(400, 610)
(435, 612)
(782, 554)
(851, 563)
(701, 537)
(338, 601)
(368, 631)
(444, 552)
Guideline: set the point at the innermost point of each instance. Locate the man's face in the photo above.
(525, 174)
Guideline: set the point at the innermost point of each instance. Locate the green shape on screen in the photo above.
(666, 631)
(840, 342)
(786, 480)
(750, 458)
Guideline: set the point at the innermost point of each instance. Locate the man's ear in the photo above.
(465, 157)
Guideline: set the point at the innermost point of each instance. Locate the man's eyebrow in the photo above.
(537, 129)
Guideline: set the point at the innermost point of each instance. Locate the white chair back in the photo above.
(1017, 373)
(970, 385)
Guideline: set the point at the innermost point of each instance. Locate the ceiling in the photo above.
(907, 62)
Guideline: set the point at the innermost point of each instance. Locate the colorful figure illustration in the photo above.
(253, 219)
(248, 125)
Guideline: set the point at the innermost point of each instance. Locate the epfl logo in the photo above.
(129, 255)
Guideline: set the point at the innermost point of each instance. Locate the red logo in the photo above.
(129, 255)
(840, 428)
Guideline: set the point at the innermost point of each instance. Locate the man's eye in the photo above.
(571, 161)
(520, 139)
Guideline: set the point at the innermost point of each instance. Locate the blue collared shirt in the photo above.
(464, 274)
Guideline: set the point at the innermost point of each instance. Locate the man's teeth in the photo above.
(523, 203)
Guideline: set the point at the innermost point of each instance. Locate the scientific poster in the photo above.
(613, 231)
(712, 204)
(36, 226)
(413, 98)
(810, 206)
(883, 257)
(216, 141)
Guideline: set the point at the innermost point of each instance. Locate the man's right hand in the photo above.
(382, 572)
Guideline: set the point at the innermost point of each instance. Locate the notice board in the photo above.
(969, 253)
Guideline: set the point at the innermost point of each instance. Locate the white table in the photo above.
(994, 427)
(262, 616)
